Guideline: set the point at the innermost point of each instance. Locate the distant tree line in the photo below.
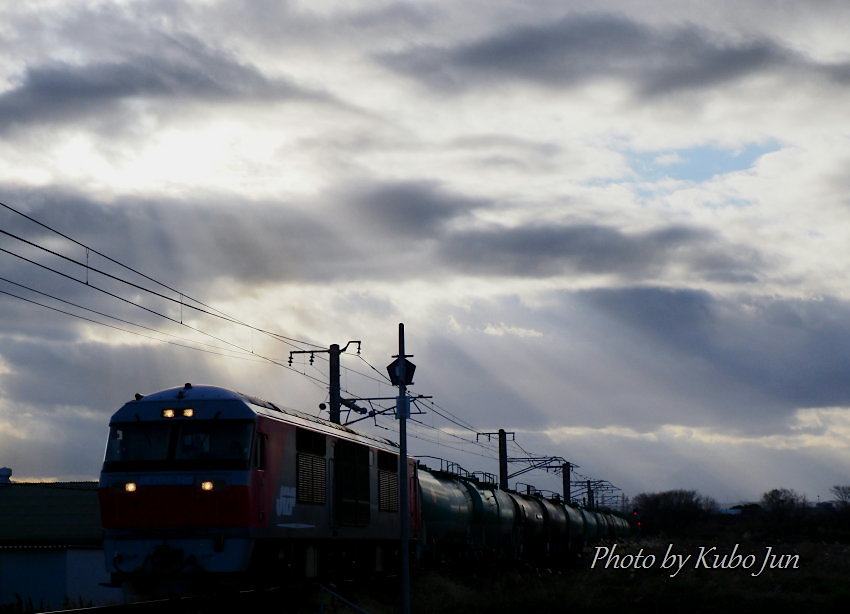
(673, 510)
(780, 511)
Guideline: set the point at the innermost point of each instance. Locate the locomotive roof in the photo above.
(237, 405)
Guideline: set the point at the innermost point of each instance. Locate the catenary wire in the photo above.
(209, 309)
(239, 354)
(442, 412)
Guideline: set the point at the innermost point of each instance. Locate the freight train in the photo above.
(200, 483)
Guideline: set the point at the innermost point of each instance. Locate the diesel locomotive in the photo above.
(204, 484)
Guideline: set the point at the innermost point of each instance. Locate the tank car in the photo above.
(200, 482)
(462, 516)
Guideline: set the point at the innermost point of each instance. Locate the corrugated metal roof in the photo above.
(61, 514)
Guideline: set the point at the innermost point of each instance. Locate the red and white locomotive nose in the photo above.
(178, 490)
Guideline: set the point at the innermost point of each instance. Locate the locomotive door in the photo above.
(351, 484)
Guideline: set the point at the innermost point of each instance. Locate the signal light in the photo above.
(636, 518)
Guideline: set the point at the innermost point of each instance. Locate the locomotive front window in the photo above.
(178, 445)
(198, 440)
(142, 441)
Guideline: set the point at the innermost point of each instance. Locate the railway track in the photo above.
(304, 600)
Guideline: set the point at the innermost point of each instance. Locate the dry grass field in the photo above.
(812, 576)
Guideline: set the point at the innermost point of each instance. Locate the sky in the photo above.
(617, 230)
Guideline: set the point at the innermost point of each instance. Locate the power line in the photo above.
(246, 354)
(74, 315)
(125, 300)
(212, 311)
(384, 379)
(241, 354)
(88, 267)
(205, 309)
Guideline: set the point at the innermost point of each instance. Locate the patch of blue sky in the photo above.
(696, 164)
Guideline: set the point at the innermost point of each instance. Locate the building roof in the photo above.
(49, 514)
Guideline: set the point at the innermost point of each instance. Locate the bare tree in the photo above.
(784, 505)
(842, 495)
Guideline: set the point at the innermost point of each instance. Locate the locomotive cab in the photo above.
(181, 485)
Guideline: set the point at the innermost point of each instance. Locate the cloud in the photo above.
(712, 458)
(654, 61)
(410, 208)
(595, 249)
(501, 329)
(255, 242)
(171, 72)
(789, 353)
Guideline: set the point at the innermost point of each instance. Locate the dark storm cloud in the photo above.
(379, 231)
(794, 352)
(354, 230)
(209, 245)
(187, 241)
(418, 208)
(577, 49)
(56, 91)
(542, 251)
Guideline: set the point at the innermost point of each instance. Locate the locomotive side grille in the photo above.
(387, 491)
(312, 478)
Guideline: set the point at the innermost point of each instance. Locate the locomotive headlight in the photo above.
(130, 487)
(207, 485)
(188, 412)
(167, 413)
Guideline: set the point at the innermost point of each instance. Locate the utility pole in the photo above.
(503, 459)
(503, 453)
(334, 388)
(566, 468)
(401, 375)
(334, 391)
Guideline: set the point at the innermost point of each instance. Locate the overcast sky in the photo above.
(617, 229)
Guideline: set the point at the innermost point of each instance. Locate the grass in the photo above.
(821, 581)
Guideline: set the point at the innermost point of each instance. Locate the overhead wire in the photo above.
(129, 302)
(240, 354)
(152, 311)
(207, 309)
(204, 309)
(246, 355)
(74, 315)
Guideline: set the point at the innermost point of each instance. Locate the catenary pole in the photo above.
(402, 408)
(503, 459)
(334, 399)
